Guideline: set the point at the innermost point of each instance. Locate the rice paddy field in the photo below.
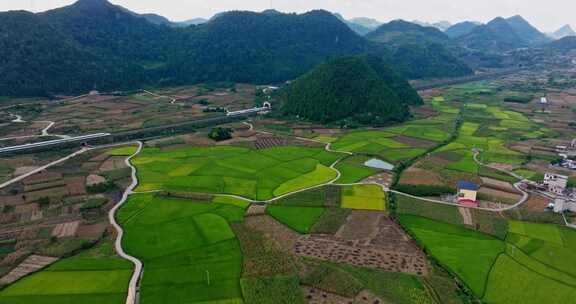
(488, 126)
(254, 174)
(200, 243)
(363, 197)
(93, 277)
(353, 170)
(403, 142)
(189, 250)
(528, 266)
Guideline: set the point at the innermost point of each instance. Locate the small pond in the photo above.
(379, 164)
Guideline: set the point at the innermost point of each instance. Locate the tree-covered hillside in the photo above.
(418, 51)
(261, 47)
(37, 58)
(353, 88)
(93, 44)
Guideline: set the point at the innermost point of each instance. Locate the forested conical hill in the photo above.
(353, 88)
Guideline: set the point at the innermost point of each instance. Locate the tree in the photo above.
(219, 134)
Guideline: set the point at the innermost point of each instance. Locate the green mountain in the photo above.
(111, 30)
(260, 48)
(108, 47)
(461, 29)
(501, 35)
(37, 58)
(419, 52)
(496, 36)
(115, 46)
(400, 32)
(358, 88)
(526, 31)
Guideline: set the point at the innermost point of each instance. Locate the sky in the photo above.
(547, 15)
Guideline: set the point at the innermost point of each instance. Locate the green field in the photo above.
(402, 142)
(259, 175)
(352, 170)
(300, 219)
(188, 248)
(487, 125)
(528, 267)
(123, 151)
(93, 277)
(363, 197)
(468, 254)
(410, 206)
(511, 282)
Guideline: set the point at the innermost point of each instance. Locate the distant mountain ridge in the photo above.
(369, 23)
(440, 25)
(501, 35)
(356, 27)
(400, 31)
(461, 29)
(564, 31)
(419, 51)
(526, 31)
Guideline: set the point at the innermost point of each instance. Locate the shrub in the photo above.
(518, 99)
(102, 188)
(92, 204)
(220, 134)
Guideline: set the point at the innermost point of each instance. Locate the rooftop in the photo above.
(466, 185)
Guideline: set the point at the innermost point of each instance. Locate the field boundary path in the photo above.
(132, 297)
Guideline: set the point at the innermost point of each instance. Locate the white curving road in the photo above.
(138, 267)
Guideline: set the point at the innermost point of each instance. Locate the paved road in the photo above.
(56, 162)
(132, 296)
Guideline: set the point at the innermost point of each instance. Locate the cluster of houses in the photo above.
(567, 156)
(555, 185)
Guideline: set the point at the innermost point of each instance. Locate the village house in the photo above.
(556, 183)
(467, 194)
(562, 205)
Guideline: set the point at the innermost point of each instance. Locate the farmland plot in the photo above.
(188, 248)
(95, 276)
(260, 175)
